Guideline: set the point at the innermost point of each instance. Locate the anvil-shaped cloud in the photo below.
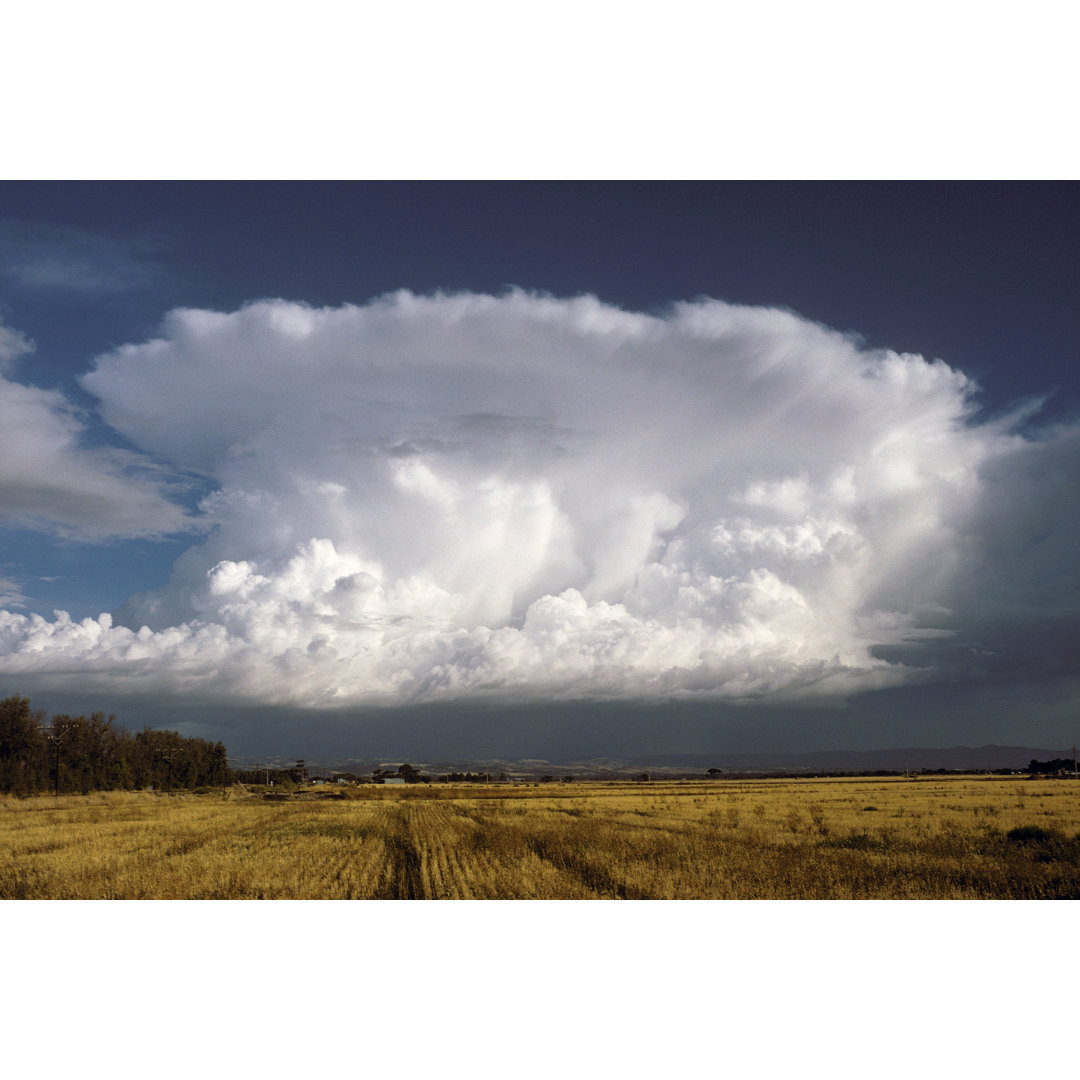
(522, 498)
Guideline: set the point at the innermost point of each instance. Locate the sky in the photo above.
(550, 470)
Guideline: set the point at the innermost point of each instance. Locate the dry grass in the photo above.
(937, 838)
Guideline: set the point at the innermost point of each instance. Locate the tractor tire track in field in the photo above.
(403, 879)
(595, 878)
(499, 849)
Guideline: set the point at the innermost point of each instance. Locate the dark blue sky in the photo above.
(981, 275)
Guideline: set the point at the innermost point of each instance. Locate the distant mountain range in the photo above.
(914, 758)
(855, 761)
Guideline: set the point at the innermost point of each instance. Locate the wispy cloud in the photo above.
(519, 498)
(50, 480)
(64, 258)
(11, 593)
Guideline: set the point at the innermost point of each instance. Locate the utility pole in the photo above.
(168, 755)
(56, 736)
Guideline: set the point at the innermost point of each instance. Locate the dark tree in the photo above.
(23, 748)
(80, 754)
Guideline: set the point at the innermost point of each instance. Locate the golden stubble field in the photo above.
(860, 838)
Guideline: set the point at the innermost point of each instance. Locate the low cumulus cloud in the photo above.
(524, 498)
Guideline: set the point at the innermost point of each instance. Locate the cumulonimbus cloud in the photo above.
(519, 497)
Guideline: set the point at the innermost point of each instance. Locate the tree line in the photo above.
(264, 774)
(79, 754)
(1056, 766)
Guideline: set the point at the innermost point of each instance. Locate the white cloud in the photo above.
(13, 344)
(11, 593)
(525, 498)
(50, 480)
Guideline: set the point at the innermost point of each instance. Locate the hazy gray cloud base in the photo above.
(520, 498)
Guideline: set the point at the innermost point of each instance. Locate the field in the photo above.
(935, 837)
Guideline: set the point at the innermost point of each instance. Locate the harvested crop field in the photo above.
(936, 837)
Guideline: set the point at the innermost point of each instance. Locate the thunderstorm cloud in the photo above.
(521, 498)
